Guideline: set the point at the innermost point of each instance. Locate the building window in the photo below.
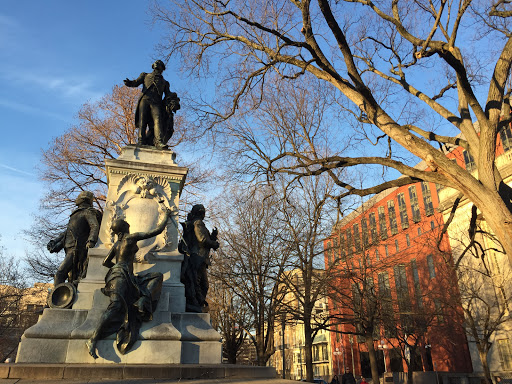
(385, 299)
(377, 254)
(505, 354)
(368, 261)
(417, 286)
(432, 225)
(402, 208)
(439, 311)
(427, 198)
(373, 228)
(349, 242)
(408, 239)
(506, 138)
(328, 248)
(386, 250)
(469, 161)
(431, 267)
(382, 224)
(342, 245)
(364, 230)
(356, 297)
(384, 288)
(358, 308)
(392, 217)
(335, 249)
(402, 294)
(397, 248)
(413, 196)
(419, 231)
(357, 238)
(319, 354)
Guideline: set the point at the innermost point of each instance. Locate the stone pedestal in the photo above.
(137, 181)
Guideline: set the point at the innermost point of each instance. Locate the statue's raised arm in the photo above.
(159, 228)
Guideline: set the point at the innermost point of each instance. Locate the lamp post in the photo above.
(283, 321)
(338, 358)
(383, 346)
(344, 356)
(300, 361)
(351, 340)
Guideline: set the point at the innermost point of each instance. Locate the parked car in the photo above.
(319, 381)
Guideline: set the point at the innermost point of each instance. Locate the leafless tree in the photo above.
(12, 283)
(306, 219)
(356, 299)
(250, 260)
(416, 77)
(302, 209)
(230, 317)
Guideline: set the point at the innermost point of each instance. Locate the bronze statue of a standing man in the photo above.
(196, 244)
(80, 235)
(154, 115)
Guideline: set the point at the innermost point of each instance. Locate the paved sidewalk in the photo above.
(150, 381)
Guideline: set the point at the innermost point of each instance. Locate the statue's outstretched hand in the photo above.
(51, 246)
(127, 82)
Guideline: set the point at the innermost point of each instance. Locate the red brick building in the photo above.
(389, 247)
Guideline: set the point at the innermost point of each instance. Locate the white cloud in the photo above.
(25, 108)
(26, 66)
(10, 30)
(16, 170)
(64, 87)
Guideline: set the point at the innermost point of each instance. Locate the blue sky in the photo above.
(55, 56)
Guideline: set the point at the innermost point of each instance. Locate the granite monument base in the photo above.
(138, 181)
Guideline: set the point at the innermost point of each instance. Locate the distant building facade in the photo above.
(391, 241)
(402, 225)
(289, 342)
(19, 310)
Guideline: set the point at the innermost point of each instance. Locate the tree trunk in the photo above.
(261, 350)
(496, 213)
(499, 219)
(231, 356)
(482, 352)
(308, 351)
(373, 358)
(409, 374)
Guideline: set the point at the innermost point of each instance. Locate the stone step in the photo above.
(133, 371)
